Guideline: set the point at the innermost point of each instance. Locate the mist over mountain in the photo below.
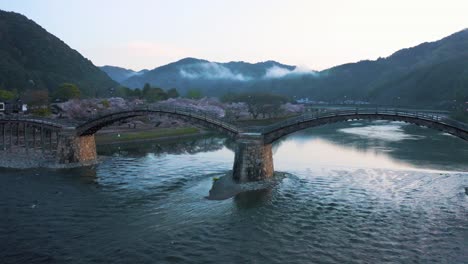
(32, 58)
(213, 78)
(430, 74)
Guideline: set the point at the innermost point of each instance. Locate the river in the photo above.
(360, 192)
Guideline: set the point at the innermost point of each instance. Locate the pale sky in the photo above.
(141, 34)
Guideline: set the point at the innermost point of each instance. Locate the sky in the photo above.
(316, 34)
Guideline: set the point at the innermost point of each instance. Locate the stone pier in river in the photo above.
(76, 149)
(253, 158)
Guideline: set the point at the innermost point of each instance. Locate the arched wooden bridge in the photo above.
(74, 143)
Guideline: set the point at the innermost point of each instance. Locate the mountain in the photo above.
(212, 77)
(429, 74)
(119, 74)
(426, 74)
(32, 58)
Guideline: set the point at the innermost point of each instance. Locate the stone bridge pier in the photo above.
(253, 158)
(76, 149)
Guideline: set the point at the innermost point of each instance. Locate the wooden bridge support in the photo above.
(14, 136)
(253, 159)
(11, 137)
(76, 149)
(3, 137)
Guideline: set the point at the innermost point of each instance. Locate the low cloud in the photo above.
(211, 71)
(216, 71)
(276, 72)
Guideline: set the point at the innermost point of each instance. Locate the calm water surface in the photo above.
(369, 192)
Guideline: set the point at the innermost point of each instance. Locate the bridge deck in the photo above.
(192, 115)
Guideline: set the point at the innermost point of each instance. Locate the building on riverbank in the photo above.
(13, 106)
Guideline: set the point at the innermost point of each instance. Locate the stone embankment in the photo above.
(21, 159)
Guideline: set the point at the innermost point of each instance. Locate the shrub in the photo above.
(105, 103)
(41, 112)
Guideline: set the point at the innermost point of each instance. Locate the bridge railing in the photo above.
(36, 120)
(185, 111)
(311, 116)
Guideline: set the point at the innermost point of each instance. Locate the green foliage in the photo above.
(121, 91)
(264, 104)
(43, 112)
(36, 97)
(151, 94)
(146, 87)
(229, 97)
(126, 92)
(67, 91)
(135, 93)
(7, 95)
(194, 94)
(105, 103)
(172, 93)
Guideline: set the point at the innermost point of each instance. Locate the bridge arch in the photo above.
(32, 122)
(188, 115)
(277, 131)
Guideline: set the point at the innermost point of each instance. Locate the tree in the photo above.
(154, 94)
(146, 88)
(36, 97)
(194, 94)
(135, 93)
(7, 95)
(264, 104)
(122, 91)
(67, 91)
(172, 93)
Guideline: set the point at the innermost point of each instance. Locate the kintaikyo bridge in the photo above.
(75, 144)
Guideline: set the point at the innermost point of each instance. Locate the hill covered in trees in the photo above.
(212, 78)
(119, 74)
(32, 58)
(431, 74)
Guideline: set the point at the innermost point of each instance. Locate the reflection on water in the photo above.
(378, 144)
(319, 154)
(388, 132)
(348, 196)
(187, 146)
(254, 198)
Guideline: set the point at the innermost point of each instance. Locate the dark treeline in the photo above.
(148, 93)
(258, 104)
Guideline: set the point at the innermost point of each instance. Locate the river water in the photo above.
(362, 192)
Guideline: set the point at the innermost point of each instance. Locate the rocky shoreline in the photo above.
(20, 159)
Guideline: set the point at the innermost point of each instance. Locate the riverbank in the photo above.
(114, 136)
